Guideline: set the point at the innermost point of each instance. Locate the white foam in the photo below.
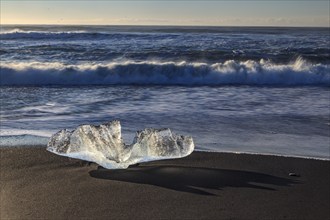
(22, 140)
(18, 132)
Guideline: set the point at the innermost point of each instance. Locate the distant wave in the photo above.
(61, 35)
(230, 72)
(20, 31)
(35, 35)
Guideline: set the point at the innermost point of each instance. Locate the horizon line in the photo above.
(167, 25)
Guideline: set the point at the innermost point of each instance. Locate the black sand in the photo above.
(36, 184)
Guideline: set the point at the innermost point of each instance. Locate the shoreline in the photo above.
(207, 151)
(38, 184)
(265, 154)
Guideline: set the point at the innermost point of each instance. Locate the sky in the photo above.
(171, 12)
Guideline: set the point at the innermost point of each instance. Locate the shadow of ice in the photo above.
(192, 179)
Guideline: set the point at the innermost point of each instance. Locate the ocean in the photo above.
(262, 90)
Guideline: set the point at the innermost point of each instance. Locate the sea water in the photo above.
(233, 89)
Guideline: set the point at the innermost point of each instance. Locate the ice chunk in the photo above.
(105, 139)
(156, 144)
(103, 144)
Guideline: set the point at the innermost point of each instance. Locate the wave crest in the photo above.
(230, 72)
(21, 34)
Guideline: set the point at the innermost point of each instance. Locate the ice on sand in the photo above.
(104, 145)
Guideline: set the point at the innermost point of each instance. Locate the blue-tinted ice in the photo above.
(104, 145)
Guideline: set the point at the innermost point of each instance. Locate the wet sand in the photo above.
(38, 184)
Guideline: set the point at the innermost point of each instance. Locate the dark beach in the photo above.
(36, 184)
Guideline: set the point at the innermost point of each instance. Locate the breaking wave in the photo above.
(230, 72)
